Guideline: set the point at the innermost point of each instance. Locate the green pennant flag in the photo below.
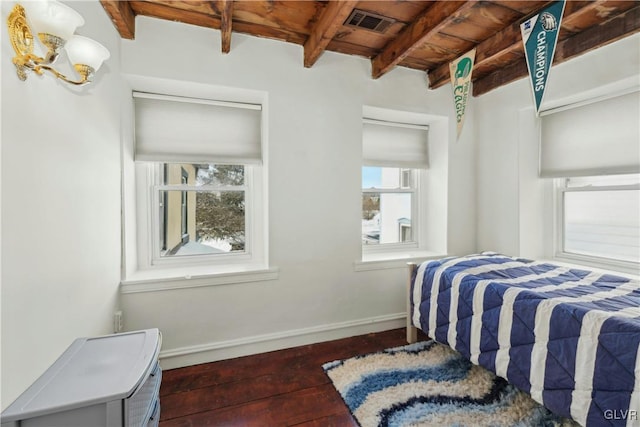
(539, 36)
(460, 71)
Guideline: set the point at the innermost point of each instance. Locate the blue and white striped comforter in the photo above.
(569, 337)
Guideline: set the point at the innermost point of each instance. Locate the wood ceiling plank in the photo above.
(436, 53)
(226, 22)
(525, 7)
(200, 6)
(620, 26)
(401, 10)
(122, 16)
(325, 28)
(461, 36)
(503, 61)
(434, 19)
(268, 32)
(509, 40)
(502, 43)
(416, 63)
(614, 29)
(163, 11)
(289, 16)
(593, 13)
(340, 46)
(449, 42)
(368, 38)
(483, 21)
(574, 11)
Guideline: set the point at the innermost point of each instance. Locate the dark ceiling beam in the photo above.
(122, 17)
(169, 13)
(434, 19)
(226, 19)
(580, 15)
(330, 21)
(491, 49)
(509, 40)
(617, 28)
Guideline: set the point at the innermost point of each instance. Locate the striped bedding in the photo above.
(569, 337)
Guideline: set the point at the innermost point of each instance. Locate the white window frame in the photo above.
(401, 229)
(147, 181)
(402, 177)
(414, 190)
(560, 189)
(429, 217)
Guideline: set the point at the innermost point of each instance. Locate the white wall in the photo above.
(314, 194)
(514, 212)
(60, 208)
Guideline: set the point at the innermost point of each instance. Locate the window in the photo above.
(201, 209)
(393, 156)
(388, 204)
(199, 187)
(599, 217)
(591, 149)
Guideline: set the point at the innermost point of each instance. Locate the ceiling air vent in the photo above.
(368, 21)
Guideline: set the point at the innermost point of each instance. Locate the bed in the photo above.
(569, 337)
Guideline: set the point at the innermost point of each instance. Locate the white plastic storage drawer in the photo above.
(154, 419)
(140, 406)
(106, 381)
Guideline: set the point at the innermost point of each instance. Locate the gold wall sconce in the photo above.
(54, 23)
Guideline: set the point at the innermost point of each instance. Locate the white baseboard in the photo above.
(220, 350)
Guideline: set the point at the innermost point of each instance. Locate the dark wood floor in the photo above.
(280, 388)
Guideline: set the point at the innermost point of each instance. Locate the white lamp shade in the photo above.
(53, 17)
(83, 50)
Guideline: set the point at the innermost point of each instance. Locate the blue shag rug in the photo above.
(429, 384)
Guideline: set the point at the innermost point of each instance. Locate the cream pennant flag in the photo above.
(460, 71)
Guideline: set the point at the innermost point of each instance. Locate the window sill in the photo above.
(161, 280)
(620, 268)
(388, 260)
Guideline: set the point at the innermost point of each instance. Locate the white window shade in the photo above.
(173, 129)
(394, 144)
(600, 138)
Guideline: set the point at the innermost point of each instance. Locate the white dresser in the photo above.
(112, 380)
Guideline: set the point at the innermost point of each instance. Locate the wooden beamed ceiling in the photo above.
(424, 35)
